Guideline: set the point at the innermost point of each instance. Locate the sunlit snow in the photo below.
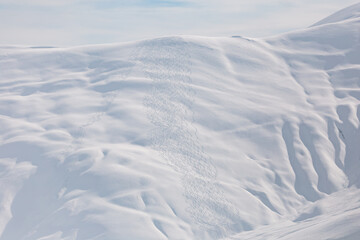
(184, 137)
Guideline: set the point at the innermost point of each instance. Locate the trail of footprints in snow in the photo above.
(169, 106)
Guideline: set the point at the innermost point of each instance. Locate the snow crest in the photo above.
(184, 138)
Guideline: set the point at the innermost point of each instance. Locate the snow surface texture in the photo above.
(184, 138)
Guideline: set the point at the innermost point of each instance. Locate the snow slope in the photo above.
(348, 13)
(184, 138)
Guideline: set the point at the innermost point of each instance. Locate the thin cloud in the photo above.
(36, 22)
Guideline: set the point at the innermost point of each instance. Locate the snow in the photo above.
(348, 13)
(184, 137)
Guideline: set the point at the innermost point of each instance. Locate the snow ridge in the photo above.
(184, 138)
(350, 12)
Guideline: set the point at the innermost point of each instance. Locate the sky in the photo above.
(81, 22)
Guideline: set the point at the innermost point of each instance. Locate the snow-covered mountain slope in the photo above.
(184, 138)
(348, 13)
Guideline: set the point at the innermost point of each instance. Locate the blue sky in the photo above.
(77, 22)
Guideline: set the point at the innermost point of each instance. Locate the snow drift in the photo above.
(184, 137)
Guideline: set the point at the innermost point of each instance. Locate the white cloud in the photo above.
(37, 2)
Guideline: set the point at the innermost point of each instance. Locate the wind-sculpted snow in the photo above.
(184, 138)
(348, 13)
(170, 106)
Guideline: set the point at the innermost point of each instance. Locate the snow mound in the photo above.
(183, 138)
(350, 12)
